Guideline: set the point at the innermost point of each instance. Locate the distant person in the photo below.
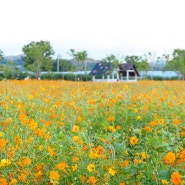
(18, 77)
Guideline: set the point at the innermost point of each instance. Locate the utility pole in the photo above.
(58, 63)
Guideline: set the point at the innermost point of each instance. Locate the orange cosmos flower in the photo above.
(61, 166)
(147, 128)
(79, 118)
(3, 181)
(39, 167)
(24, 162)
(176, 178)
(182, 134)
(38, 175)
(99, 150)
(22, 177)
(176, 121)
(33, 124)
(54, 175)
(2, 143)
(92, 180)
(111, 118)
(82, 179)
(169, 158)
(143, 155)
(133, 140)
(182, 154)
(125, 163)
(51, 151)
(118, 127)
(40, 132)
(153, 123)
(85, 148)
(114, 100)
(122, 183)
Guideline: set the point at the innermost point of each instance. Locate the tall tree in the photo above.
(132, 59)
(2, 67)
(140, 63)
(1, 55)
(38, 57)
(177, 63)
(111, 59)
(80, 56)
(64, 65)
(10, 70)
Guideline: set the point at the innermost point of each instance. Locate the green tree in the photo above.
(81, 57)
(1, 55)
(38, 57)
(177, 63)
(64, 65)
(112, 61)
(140, 63)
(132, 59)
(1, 58)
(9, 69)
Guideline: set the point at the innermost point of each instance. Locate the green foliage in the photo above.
(64, 65)
(9, 70)
(68, 77)
(160, 78)
(111, 59)
(80, 56)
(1, 55)
(177, 63)
(139, 62)
(37, 56)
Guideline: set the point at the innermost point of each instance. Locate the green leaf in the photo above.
(164, 174)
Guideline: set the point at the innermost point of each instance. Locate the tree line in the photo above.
(38, 57)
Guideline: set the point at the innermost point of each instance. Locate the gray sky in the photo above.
(101, 27)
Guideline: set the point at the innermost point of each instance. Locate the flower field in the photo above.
(57, 132)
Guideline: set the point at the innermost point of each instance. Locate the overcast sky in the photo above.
(101, 27)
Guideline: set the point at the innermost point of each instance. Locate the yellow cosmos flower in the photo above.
(75, 129)
(5, 162)
(1, 134)
(133, 140)
(112, 171)
(165, 182)
(111, 129)
(74, 167)
(91, 167)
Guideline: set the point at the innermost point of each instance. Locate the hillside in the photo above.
(20, 63)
